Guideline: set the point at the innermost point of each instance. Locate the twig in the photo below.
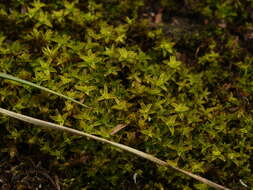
(139, 153)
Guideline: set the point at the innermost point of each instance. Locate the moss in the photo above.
(183, 87)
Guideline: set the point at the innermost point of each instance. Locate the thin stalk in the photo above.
(10, 77)
(54, 126)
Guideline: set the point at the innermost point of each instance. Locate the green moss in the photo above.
(184, 92)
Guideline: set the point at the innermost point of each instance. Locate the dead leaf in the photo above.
(117, 128)
(159, 17)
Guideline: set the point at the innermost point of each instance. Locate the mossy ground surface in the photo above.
(177, 74)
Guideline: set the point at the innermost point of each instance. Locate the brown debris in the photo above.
(159, 17)
(117, 128)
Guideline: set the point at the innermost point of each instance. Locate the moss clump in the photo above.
(182, 85)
